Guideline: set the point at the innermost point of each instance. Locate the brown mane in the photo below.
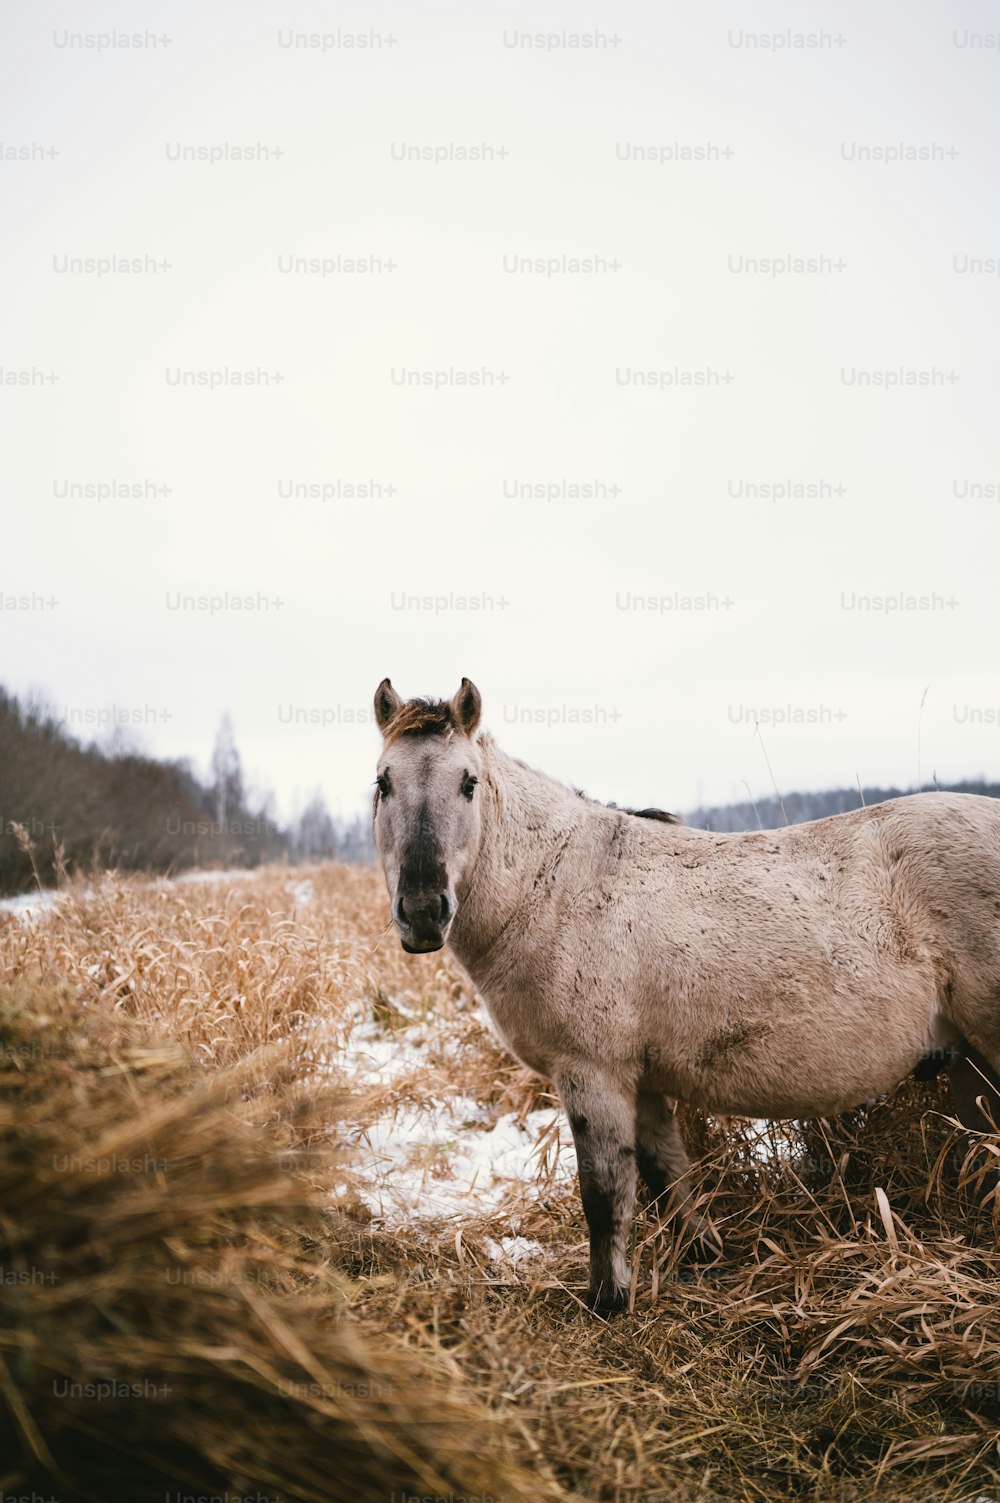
(421, 717)
(660, 814)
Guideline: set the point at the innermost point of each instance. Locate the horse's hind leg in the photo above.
(663, 1164)
(974, 1079)
(602, 1115)
(660, 1153)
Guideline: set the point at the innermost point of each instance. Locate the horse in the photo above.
(635, 961)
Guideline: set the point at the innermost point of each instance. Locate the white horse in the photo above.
(783, 973)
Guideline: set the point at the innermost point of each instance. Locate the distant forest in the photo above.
(795, 808)
(67, 807)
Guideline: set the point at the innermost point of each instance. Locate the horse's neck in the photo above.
(524, 815)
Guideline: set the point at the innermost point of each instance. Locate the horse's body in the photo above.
(783, 973)
(779, 974)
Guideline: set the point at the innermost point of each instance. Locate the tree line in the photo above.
(795, 808)
(67, 807)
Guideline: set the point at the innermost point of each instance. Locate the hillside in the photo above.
(66, 807)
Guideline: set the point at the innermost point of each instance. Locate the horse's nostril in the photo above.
(423, 909)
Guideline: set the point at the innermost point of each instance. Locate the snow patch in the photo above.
(229, 874)
(513, 1250)
(447, 1161)
(437, 1157)
(26, 905)
(302, 892)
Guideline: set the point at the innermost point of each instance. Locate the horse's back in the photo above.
(824, 955)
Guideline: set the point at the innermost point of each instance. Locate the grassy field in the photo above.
(280, 1182)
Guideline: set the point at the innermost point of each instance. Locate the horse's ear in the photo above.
(466, 707)
(387, 704)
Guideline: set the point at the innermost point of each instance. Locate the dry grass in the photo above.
(846, 1346)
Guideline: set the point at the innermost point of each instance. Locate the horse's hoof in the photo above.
(607, 1300)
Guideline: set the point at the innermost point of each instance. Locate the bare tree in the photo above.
(315, 835)
(227, 772)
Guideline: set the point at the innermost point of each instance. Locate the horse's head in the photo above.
(426, 810)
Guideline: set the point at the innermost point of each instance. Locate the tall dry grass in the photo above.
(846, 1345)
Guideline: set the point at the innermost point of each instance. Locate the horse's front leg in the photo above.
(601, 1112)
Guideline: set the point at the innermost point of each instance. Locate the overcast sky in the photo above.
(660, 357)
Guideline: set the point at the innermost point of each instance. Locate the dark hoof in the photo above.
(607, 1300)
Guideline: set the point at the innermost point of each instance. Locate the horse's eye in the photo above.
(382, 784)
(468, 784)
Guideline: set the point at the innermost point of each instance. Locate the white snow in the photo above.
(302, 892)
(27, 904)
(440, 1156)
(512, 1250)
(449, 1161)
(219, 874)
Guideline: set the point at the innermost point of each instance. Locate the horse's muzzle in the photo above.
(423, 921)
(424, 947)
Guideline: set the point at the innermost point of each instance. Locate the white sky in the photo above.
(671, 683)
